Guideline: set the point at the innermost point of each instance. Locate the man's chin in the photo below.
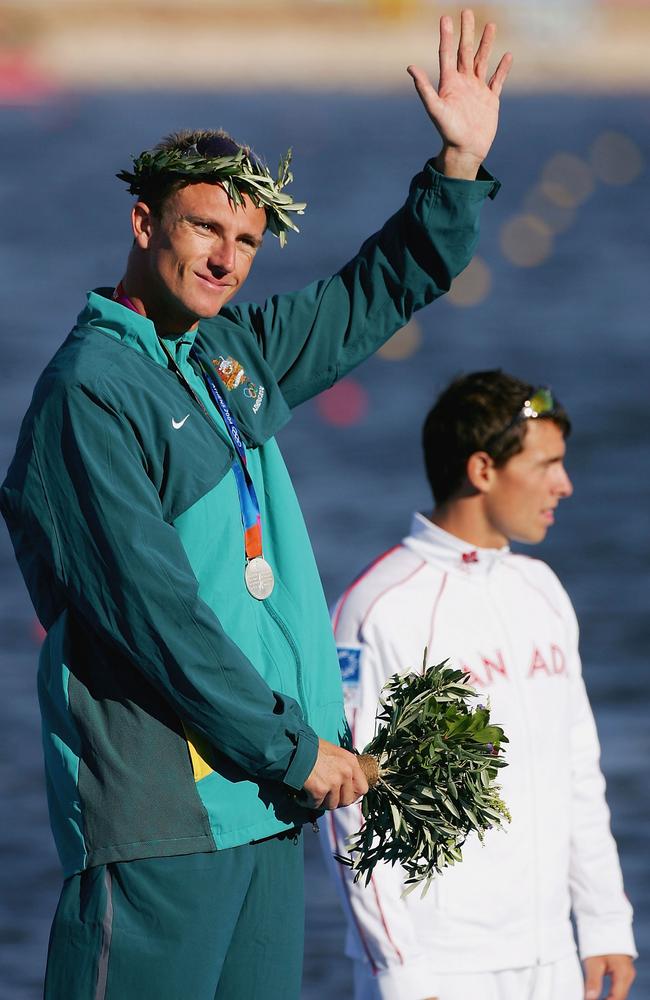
(210, 306)
(530, 537)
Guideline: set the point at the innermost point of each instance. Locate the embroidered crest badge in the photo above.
(233, 376)
(350, 664)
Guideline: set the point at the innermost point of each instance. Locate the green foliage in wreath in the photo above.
(240, 174)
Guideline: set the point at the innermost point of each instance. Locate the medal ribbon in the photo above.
(248, 502)
(119, 295)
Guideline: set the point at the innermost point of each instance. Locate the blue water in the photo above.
(578, 321)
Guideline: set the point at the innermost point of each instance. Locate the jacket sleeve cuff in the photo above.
(604, 937)
(485, 185)
(302, 760)
(411, 981)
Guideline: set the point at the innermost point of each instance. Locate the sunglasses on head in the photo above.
(221, 145)
(541, 403)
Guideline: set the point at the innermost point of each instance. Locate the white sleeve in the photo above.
(602, 911)
(380, 924)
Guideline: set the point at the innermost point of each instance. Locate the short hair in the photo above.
(157, 188)
(477, 412)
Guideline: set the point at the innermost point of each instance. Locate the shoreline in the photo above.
(159, 46)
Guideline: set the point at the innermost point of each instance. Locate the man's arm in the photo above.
(313, 337)
(603, 913)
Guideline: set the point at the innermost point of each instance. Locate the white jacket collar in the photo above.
(449, 552)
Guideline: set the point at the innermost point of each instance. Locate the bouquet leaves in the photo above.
(432, 767)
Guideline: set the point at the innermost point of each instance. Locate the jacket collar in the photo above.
(136, 331)
(449, 552)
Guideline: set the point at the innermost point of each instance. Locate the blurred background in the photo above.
(557, 294)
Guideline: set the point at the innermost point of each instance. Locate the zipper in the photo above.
(270, 609)
(294, 651)
(191, 391)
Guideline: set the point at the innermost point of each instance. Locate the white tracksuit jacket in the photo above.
(506, 620)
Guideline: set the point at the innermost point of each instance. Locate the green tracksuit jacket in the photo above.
(178, 712)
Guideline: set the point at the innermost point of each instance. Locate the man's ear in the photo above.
(142, 223)
(480, 471)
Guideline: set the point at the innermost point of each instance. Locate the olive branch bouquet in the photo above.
(431, 767)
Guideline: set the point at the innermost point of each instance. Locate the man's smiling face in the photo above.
(198, 253)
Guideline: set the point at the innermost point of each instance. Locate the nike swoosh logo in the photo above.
(177, 424)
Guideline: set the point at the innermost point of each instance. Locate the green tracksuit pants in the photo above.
(222, 926)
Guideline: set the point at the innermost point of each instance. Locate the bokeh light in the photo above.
(526, 240)
(558, 218)
(567, 180)
(402, 344)
(21, 82)
(615, 158)
(346, 403)
(37, 631)
(472, 286)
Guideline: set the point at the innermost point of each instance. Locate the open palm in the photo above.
(465, 106)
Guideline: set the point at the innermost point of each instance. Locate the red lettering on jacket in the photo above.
(474, 679)
(497, 665)
(558, 660)
(538, 663)
(491, 665)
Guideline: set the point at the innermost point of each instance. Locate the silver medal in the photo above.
(259, 578)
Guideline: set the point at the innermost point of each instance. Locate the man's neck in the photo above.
(130, 301)
(137, 298)
(464, 518)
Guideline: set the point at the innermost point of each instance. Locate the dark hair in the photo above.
(477, 412)
(155, 189)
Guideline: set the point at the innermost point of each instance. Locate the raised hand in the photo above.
(465, 106)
